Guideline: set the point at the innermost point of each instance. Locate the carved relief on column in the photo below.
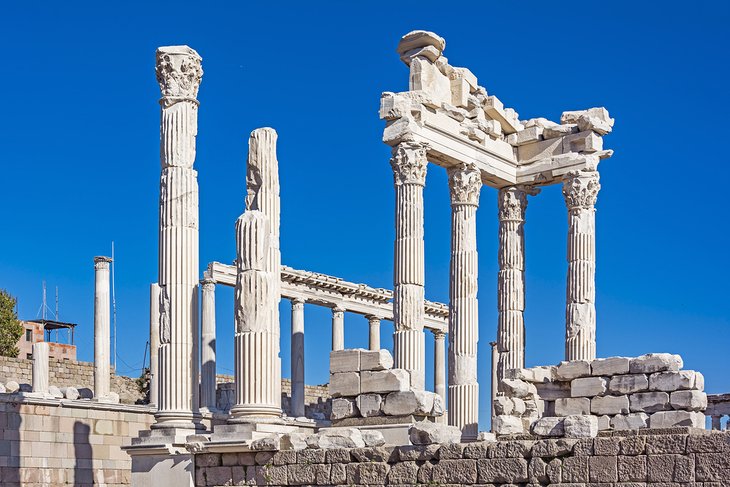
(465, 184)
(373, 332)
(409, 165)
(512, 202)
(297, 357)
(580, 189)
(208, 346)
(179, 73)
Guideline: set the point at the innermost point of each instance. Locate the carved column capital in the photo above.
(512, 202)
(465, 183)
(409, 163)
(179, 71)
(438, 334)
(373, 319)
(208, 284)
(337, 309)
(101, 262)
(580, 189)
(297, 302)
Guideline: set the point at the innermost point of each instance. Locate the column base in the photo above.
(177, 420)
(257, 413)
(409, 350)
(464, 409)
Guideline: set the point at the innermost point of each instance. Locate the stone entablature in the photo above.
(680, 456)
(718, 406)
(581, 398)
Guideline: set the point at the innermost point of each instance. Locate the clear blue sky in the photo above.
(79, 147)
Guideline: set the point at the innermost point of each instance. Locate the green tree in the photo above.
(10, 328)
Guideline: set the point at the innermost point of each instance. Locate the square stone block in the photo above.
(385, 381)
(610, 366)
(344, 384)
(588, 386)
(572, 405)
(376, 360)
(345, 361)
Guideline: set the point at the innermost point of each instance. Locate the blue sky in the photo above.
(79, 148)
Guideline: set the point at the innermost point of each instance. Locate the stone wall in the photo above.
(54, 443)
(68, 373)
(680, 456)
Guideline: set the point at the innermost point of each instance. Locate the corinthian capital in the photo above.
(208, 284)
(179, 72)
(580, 189)
(465, 183)
(101, 262)
(512, 202)
(409, 163)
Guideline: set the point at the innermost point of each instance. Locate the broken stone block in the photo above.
(408, 402)
(627, 384)
(672, 381)
(570, 406)
(344, 384)
(343, 408)
(468, 76)
(595, 124)
(688, 400)
(587, 386)
(70, 393)
(534, 408)
(610, 366)
(604, 423)
(460, 92)
(630, 421)
(508, 425)
(539, 122)
(649, 402)
(572, 370)
(427, 77)
(671, 419)
(294, 441)
(12, 387)
(519, 406)
(426, 433)
(518, 388)
(418, 39)
(526, 136)
(486, 436)
(54, 391)
(2, 388)
(376, 360)
(581, 426)
(543, 374)
(549, 426)
(345, 361)
(550, 391)
(655, 362)
(268, 443)
(610, 405)
(336, 438)
(439, 407)
(369, 405)
(598, 112)
(559, 131)
(385, 381)
(699, 381)
(372, 438)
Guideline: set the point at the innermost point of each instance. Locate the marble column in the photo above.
(207, 346)
(716, 421)
(102, 369)
(257, 294)
(179, 73)
(338, 328)
(495, 364)
(374, 332)
(465, 184)
(580, 189)
(154, 342)
(439, 364)
(512, 202)
(409, 165)
(297, 357)
(40, 367)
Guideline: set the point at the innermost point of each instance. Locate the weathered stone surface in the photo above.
(655, 362)
(372, 438)
(688, 400)
(269, 443)
(573, 369)
(649, 402)
(632, 469)
(403, 473)
(345, 361)
(712, 467)
(630, 421)
(12, 387)
(369, 405)
(603, 469)
(408, 402)
(627, 384)
(587, 386)
(549, 426)
(672, 381)
(556, 447)
(385, 381)
(604, 422)
(426, 433)
(670, 468)
(580, 426)
(70, 393)
(294, 441)
(336, 438)
(572, 405)
(610, 366)
(508, 425)
(575, 469)
(343, 407)
(670, 419)
(460, 472)
(551, 391)
(610, 405)
(417, 453)
(439, 407)
(502, 470)
(503, 405)
(344, 384)
(376, 360)
(518, 388)
(56, 392)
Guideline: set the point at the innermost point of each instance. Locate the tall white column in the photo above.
(374, 332)
(40, 367)
(495, 364)
(439, 364)
(207, 346)
(512, 202)
(338, 328)
(154, 342)
(580, 189)
(297, 357)
(257, 295)
(465, 184)
(102, 377)
(409, 165)
(179, 73)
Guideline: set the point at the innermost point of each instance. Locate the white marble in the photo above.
(40, 368)
(102, 342)
(208, 346)
(373, 332)
(338, 328)
(439, 364)
(297, 357)
(154, 343)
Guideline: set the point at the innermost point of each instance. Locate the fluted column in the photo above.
(154, 342)
(40, 367)
(102, 369)
(465, 184)
(409, 165)
(439, 364)
(297, 357)
(512, 202)
(257, 295)
(580, 189)
(374, 332)
(207, 346)
(338, 328)
(179, 73)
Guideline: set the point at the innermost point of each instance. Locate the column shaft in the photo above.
(409, 165)
(580, 190)
(40, 367)
(338, 328)
(374, 332)
(102, 369)
(207, 346)
(297, 357)
(465, 184)
(439, 364)
(154, 342)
